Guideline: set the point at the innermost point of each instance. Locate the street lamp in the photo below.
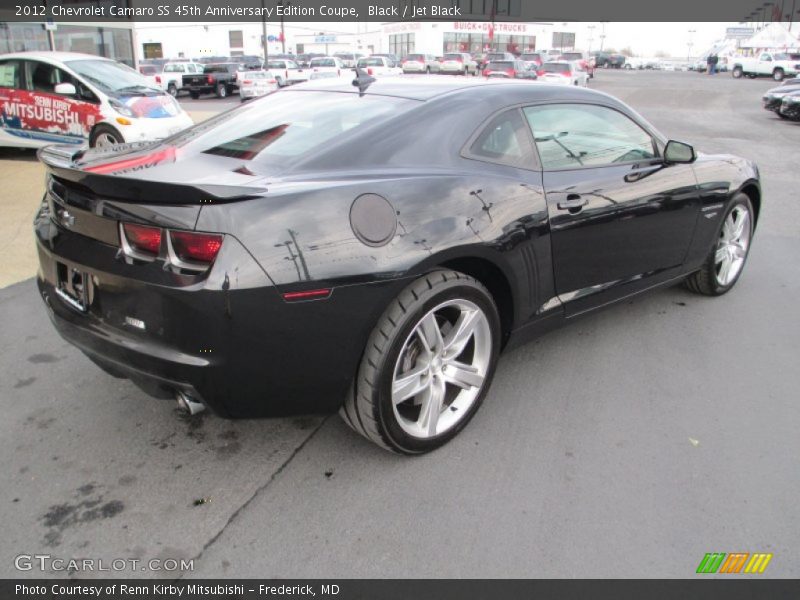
(285, 3)
(591, 36)
(690, 44)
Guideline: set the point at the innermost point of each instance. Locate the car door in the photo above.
(621, 219)
(765, 64)
(54, 117)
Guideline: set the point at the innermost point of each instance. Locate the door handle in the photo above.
(573, 203)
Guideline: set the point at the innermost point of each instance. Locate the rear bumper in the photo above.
(228, 339)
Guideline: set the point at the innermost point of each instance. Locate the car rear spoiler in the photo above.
(60, 161)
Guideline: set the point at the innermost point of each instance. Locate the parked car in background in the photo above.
(65, 97)
(303, 60)
(771, 100)
(172, 75)
(379, 66)
(790, 106)
(314, 75)
(254, 84)
(564, 72)
(392, 57)
(474, 230)
(535, 59)
(151, 74)
(582, 58)
(633, 62)
(216, 78)
(286, 71)
(327, 63)
(348, 58)
(420, 63)
(458, 63)
(776, 65)
(511, 69)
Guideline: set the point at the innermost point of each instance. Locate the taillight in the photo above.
(210, 79)
(272, 81)
(158, 78)
(369, 71)
(511, 72)
(141, 241)
(192, 247)
(247, 81)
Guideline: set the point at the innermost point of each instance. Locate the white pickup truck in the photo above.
(172, 76)
(287, 71)
(776, 65)
(379, 66)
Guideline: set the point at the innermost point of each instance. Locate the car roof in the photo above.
(52, 56)
(427, 87)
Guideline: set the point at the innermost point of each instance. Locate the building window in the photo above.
(236, 39)
(152, 50)
(116, 43)
(21, 37)
(401, 44)
(477, 43)
(563, 40)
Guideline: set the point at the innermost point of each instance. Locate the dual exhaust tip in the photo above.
(188, 404)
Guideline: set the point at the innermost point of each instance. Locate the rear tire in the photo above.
(728, 255)
(737, 72)
(419, 382)
(172, 90)
(222, 90)
(778, 74)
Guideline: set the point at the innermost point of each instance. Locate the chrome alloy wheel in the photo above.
(104, 140)
(734, 240)
(441, 368)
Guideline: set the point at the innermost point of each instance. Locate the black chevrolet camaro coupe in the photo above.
(373, 248)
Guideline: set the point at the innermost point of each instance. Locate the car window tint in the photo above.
(42, 77)
(505, 141)
(10, 74)
(576, 135)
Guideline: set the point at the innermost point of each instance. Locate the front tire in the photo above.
(737, 72)
(172, 90)
(778, 74)
(104, 136)
(427, 365)
(727, 258)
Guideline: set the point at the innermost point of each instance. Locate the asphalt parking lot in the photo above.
(627, 445)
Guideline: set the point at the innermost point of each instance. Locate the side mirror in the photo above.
(66, 89)
(678, 152)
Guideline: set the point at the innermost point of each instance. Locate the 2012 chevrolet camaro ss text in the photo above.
(372, 248)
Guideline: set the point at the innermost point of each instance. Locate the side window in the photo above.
(42, 77)
(505, 141)
(10, 74)
(584, 135)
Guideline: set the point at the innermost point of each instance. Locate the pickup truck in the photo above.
(218, 78)
(379, 66)
(776, 65)
(287, 71)
(172, 75)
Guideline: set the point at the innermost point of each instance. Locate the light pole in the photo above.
(264, 33)
(690, 44)
(591, 36)
(284, 3)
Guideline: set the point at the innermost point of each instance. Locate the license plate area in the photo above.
(73, 287)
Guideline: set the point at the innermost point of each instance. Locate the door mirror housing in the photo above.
(65, 89)
(678, 152)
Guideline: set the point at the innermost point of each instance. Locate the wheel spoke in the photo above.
(724, 271)
(721, 254)
(429, 333)
(463, 375)
(410, 384)
(461, 333)
(431, 407)
(740, 226)
(727, 229)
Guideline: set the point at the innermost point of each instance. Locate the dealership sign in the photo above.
(739, 33)
(486, 27)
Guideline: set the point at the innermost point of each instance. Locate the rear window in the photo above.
(500, 65)
(420, 57)
(216, 69)
(148, 70)
(556, 68)
(453, 57)
(370, 62)
(323, 62)
(572, 56)
(287, 126)
(531, 57)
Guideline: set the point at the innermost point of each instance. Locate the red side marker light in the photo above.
(307, 295)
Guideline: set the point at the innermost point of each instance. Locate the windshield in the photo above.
(419, 57)
(109, 76)
(556, 68)
(286, 126)
(323, 62)
(174, 68)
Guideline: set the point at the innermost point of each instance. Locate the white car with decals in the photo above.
(64, 97)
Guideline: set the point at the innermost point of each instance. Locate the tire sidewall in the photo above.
(222, 90)
(102, 128)
(399, 438)
(740, 199)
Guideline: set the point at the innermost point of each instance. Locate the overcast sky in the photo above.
(645, 39)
